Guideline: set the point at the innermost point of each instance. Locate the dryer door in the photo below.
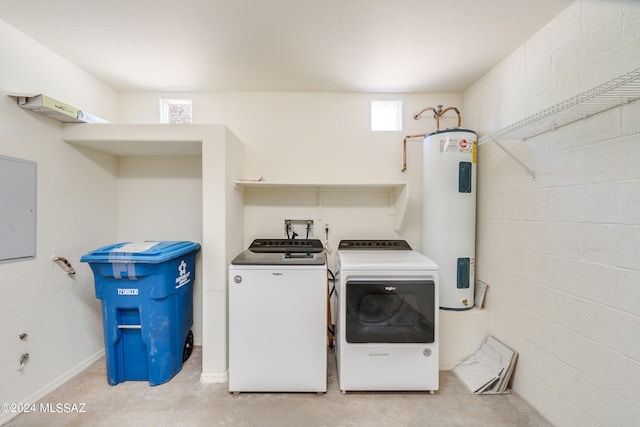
(390, 311)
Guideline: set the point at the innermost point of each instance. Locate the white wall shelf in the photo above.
(614, 93)
(398, 192)
(142, 139)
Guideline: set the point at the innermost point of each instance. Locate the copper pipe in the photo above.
(436, 115)
(404, 149)
(441, 112)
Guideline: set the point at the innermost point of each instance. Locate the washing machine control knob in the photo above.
(426, 352)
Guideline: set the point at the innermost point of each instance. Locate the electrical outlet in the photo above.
(298, 228)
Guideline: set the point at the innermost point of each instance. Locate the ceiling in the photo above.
(395, 46)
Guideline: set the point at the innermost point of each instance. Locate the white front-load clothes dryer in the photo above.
(387, 323)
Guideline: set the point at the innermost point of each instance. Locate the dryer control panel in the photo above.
(398, 245)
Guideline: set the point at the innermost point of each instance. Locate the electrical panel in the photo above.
(18, 183)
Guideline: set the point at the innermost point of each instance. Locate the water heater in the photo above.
(449, 213)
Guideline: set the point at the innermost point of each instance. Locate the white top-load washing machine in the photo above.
(278, 317)
(387, 322)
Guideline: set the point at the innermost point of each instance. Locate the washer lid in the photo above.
(249, 257)
(378, 260)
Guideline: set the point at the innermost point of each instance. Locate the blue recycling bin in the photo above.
(146, 290)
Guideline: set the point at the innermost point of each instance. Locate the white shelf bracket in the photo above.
(515, 159)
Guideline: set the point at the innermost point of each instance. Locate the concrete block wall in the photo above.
(560, 253)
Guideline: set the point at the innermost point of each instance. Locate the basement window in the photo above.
(386, 115)
(175, 111)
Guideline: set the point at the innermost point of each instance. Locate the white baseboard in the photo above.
(214, 378)
(4, 417)
(447, 367)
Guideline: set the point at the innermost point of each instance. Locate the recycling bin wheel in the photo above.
(188, 347)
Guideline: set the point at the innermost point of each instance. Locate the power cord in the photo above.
(332, 279)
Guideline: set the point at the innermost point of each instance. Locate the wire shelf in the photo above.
(612, 94)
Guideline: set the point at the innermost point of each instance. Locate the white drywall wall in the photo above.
(76, 199)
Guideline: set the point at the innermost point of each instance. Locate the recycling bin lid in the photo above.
(148, 251)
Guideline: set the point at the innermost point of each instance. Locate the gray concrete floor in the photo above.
(185, 401)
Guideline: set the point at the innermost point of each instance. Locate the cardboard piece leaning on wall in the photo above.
(479, 294)
(489, 369)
